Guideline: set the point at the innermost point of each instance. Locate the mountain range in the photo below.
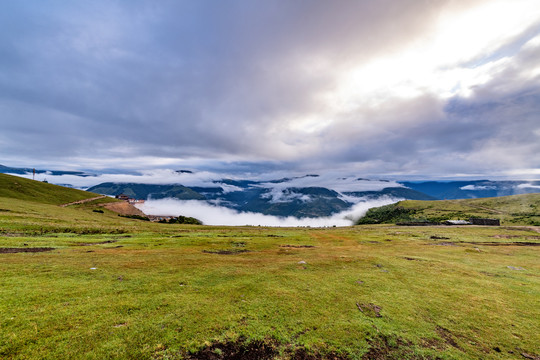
(302, 196)
(306, 197)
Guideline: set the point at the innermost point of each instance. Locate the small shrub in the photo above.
(136, 217)
(183, 220)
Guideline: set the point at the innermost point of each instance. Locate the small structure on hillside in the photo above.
(122, 197)
(487, 222)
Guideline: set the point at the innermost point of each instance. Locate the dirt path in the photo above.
(83, 201)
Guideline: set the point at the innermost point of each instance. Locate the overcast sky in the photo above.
(438, 88)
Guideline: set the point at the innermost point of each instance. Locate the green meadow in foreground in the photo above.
(80, 284)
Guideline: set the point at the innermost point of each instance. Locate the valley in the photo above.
(77, 283)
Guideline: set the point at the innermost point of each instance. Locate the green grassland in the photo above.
(510, 210)
(119, 288)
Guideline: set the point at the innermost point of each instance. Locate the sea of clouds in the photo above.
(214, 214)
(218, 215)
(282, 191)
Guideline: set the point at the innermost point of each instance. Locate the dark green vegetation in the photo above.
(77, 284)
(511, 210)
(136, 217)
(186, 220)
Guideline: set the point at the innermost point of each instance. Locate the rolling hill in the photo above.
(515, 209)
(24, 189)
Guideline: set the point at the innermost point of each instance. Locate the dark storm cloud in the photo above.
(242, 82)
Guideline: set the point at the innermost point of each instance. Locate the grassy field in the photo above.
(99, 286)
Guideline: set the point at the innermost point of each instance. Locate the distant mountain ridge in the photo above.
(282, 197)
(452, 190)
(310, 195)
(21, 171)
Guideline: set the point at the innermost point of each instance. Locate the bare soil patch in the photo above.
(370, 309)
(24, 250)
(435, 237)
(514, 243)
(123, 208)
(516, 236)
(530, 356)
(258, 350)
(236, 350)
(12, 234)
(95, 243)
(447, 336)
(297, 246)
(226, 252)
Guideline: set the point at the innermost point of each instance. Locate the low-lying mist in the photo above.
(218, 215)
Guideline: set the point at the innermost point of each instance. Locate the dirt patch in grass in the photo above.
(24, 250)
(236, 350)
(226, 252)
(413, 259)
(447, 336)
(95, 243)
(530, 356)
(12, 234)
(494, 243)
(297, 246)
(370, 309)
(123, 208)
(258, 350)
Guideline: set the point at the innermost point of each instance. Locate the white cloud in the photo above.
(338, 87)
(528, 186)
(333, 181)
(478, 187)
(156, 176)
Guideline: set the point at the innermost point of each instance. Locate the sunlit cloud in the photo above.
(383, 87)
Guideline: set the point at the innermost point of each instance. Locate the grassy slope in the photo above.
(16, 187)
(153, 291)
(511, 210)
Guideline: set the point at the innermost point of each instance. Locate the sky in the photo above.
(402, 88)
